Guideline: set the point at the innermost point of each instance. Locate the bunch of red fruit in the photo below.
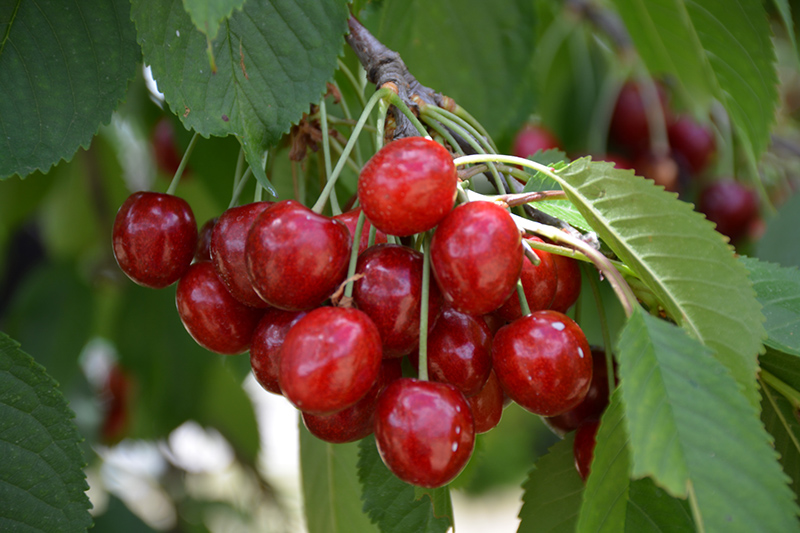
(261, 277)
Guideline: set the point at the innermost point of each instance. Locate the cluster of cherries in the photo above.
(731, 205)
(267, 277)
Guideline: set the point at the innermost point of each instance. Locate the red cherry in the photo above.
(350, 219)
(620, 161)
(408, 187)
(629, 123)
(730, 205)
(203, 251)
(568, 283)
(154, 238)
(390, 293)
(424, 431)
(539, 283)
(583, 447)
(165, 147)
(487, 405)
(661, 169)
(693, 141)
(329, 360)
(228, 251)
(117, 391)
(476, 255)
(543, 362)
(357, 421)
(530, 139)
(460, 351)
(265, 347)
(296, 258)
(215, 319)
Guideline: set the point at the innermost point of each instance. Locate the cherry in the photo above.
(530, 139)
(692, 141)
(593, 404)
(543, 362)
(357, 421)
(408, 187)
(661, 169)
(228, 251)
(215, 319)
(619, 160)
(460, 351)
(730, 205)
(583, 447)
(539, 283)
(154, 238)
(296, 258)
(117, 391)
(203, 251)
(487, 405)
(165, 147)
(390, 293)
(265, 347)
(568, 283)
(476, 255)
(629, 123)
(350, 219)
(330, 359)
(424, 431)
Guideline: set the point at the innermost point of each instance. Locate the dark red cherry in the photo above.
(390, 293)
(203, 251)
(116, 393)
(215, 319)
(165, 147)
(693, 141)
(476, 255)
(730, 205)
(350, 219)
(265, 348)
(487, 405)
(330, 359)
(154, 238)
(539, 283)
(583, 447)
(568, 283)
(227, 251)
(424, 431)
(629, 121)
(543, 362)
(357, 421)
(661, 169)
(408, 187)
(619, 160)
(296, 258)
(530, 139)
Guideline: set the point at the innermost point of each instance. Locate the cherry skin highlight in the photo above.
(215, 319)
(424, 431)
(203, 251)
(154, 238)
(543, 362)
(408, 187)
(265, 347)
(296, 258)
(329, 360)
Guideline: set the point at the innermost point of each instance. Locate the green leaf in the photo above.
(396, 506)
(64, 67)
(553, 491)
(778, 290)
(561, 209)
(786, 16)
(780, 419)
(273, 59)
(683, 411)
(207, 15)
(42, 484)
(782, 230)
(676, 253)
(330, 486)
(785, 366)
(716, 49)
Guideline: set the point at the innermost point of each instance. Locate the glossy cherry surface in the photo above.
(692, 141)
(227, 249)
(487, 405)
(154, 238)
(730, 205)
(543, 362)
(408, 187)
(203, 251)
(390, 293)
(568, 283)
(476, 255)
(539, 283)
(330, 359)
(350, 219)
(530, 139)
(583, 447)
(424, 431)
(265, 348)
(296, 258)
(215, 319)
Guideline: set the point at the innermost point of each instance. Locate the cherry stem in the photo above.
(523, 300)
(655, 114)
(471, 172)
(383, 109)
(359, 90)
(529, 253)
(373, 232)
(351, 267)
(786, 390)
(446, 135)
(240, 187)
(482, 137)
(326, 191)
(326, 152)
(398, 102)
(339, 149)
(422, 371)
(349, 121)
(464, 114)
(184, 161)
(603, 320)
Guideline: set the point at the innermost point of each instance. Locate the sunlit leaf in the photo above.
(207, 15)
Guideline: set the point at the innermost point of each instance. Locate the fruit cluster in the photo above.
(263, 277)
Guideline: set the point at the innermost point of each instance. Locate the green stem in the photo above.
(383, 109)
(178, 173)
(353, 81)
(603, 320)
(326, 152)
(464, 114)
(484, 139)
(339, 150)
(437, 126)
(523, 300)
(349, 122)
(351, 267)
(373, 232)
(423, 310)
(787, 391)
(396, 101)
(240, 187)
